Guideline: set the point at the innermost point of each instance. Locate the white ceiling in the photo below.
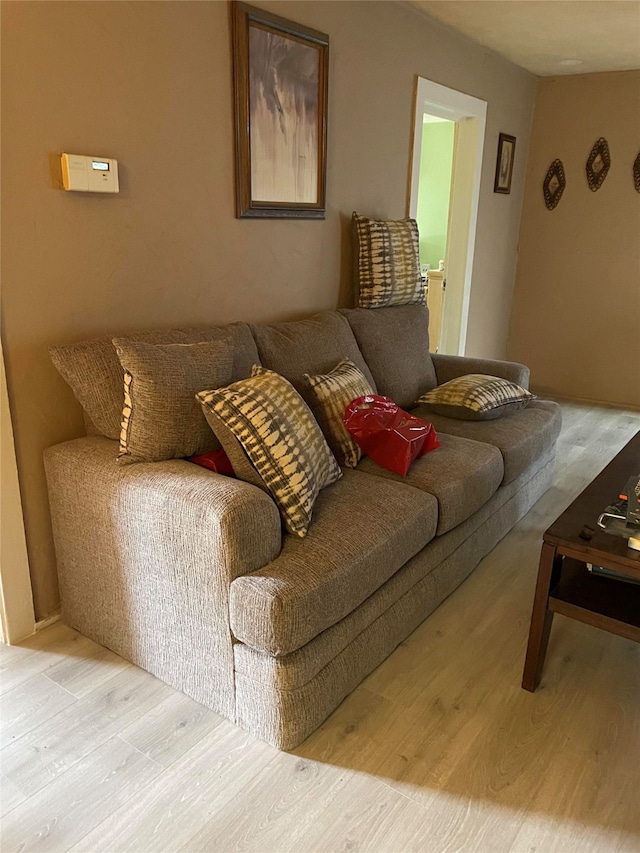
(541, 35)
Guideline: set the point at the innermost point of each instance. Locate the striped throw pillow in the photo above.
(387, 259)
(476, 397)
(333, 392)
(263, 421)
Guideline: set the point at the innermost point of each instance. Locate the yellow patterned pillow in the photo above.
(476, 397)
(387, 262)
(273, 440)
(333, 392)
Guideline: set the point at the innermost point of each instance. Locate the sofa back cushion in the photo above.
(313, 345)
(96, 377)
(395, 344)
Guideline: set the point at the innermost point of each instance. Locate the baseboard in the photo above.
(49, 620)
(561, 398)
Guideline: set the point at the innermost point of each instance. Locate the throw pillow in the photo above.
(333, 392)
(160, 418)
(476, 397)
(387, 262)
(272, 439)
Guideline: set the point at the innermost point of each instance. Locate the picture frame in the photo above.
(280, 73)
(504, 163)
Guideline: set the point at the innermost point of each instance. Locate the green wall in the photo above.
(434, 190)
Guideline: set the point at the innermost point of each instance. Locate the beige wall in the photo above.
(150, 84)
(576, 306)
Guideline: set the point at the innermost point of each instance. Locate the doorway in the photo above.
(466, 118)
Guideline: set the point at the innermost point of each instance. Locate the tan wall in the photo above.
(576, 306)
(150, 84)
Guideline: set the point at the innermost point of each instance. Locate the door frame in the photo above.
(470, 115)
(17, 617)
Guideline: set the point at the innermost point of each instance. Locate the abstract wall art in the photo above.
(280, 88)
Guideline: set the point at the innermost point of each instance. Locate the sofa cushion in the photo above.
(281, 439)
(161, 418)
(96, 377)
(476, 397)
(395, 344)
(364, 529)
(314, 345)
(461, 474)
(333, 392)
(522, 438)
(386, 262)
(458, 551)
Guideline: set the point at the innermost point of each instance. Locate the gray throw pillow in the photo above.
(161, 419)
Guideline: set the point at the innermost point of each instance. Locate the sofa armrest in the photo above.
(451, 366)
(146, 554)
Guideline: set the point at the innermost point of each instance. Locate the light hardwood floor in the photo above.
(438, 750)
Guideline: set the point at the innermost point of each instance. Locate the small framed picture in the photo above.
(504, 163)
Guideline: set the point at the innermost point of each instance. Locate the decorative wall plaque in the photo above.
(636, 172)
(598, 164)
(554, 184)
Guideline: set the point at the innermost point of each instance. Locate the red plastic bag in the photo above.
(390, 436)
(215, 460)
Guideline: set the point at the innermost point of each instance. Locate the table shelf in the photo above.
(607, 603)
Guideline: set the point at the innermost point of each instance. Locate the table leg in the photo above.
(541, 618)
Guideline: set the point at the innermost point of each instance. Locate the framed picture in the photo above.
(280, 89)
(504, 163)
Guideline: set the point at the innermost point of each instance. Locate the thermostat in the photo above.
(90, 174)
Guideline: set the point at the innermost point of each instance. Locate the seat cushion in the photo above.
(395, 344)
(364, 529)
(522, 437)
(314, 345)
(462, 475)
(96, 377)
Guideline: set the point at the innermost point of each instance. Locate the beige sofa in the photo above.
(188, 574)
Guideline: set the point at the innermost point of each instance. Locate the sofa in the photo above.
(188, 574)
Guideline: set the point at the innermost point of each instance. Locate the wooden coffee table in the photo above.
(565, 585)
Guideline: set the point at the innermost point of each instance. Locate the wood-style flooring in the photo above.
(438, 750)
